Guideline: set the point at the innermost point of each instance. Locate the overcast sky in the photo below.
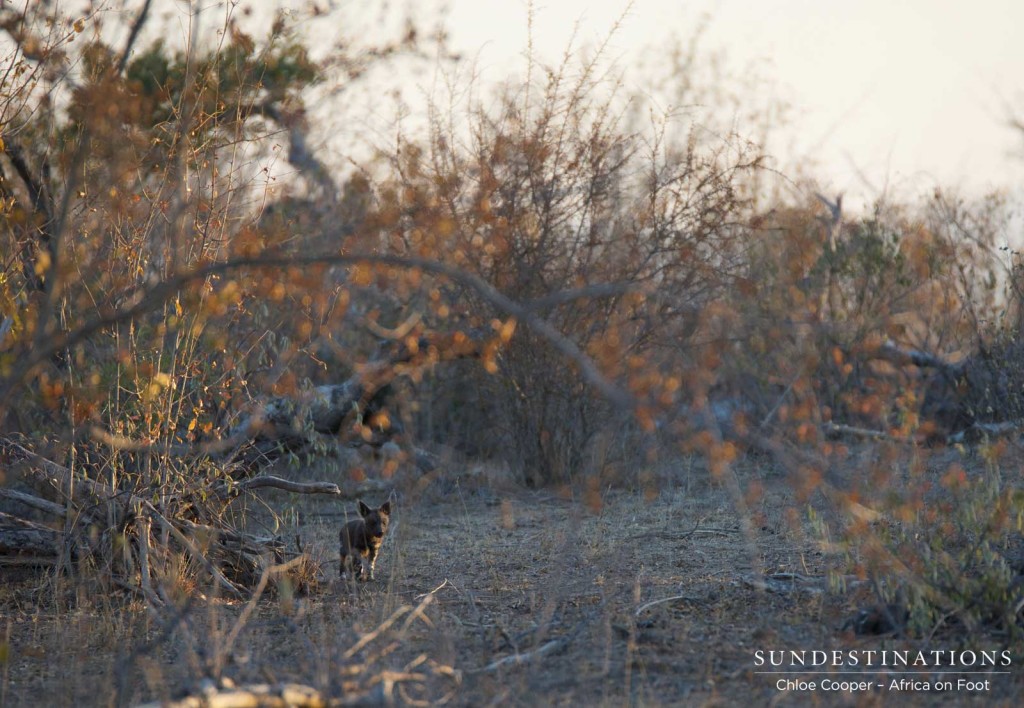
(897, 93)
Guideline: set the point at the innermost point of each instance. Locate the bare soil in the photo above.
(618, 598)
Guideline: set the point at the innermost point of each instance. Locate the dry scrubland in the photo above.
(643, 405)
(641, 601)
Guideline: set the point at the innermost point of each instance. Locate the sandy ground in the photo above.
(630, 599)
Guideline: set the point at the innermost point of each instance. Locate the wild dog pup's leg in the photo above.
(346, 563)
(371, 559)
(346, 566)
(344, 556)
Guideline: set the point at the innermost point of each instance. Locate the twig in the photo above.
(432, 591)
(367, 638)
(260, 587)
(778, 402)
(418, 613)
(668, 536)
(654, 603)
(518, 659)
(143, 524)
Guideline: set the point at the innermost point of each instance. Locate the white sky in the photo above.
(897, 94)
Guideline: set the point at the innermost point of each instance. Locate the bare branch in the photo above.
(840, 430)
(978, 431)
(149, 299)
(891, 351)
(270, 481)
(597, 290)
(140, 20)
(394, 333)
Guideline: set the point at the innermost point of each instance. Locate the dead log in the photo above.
(84, 493)
(34, 502)
(19, 537)
(290, 695)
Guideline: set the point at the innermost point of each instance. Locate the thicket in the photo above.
(544, 280)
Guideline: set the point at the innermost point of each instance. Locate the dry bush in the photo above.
(552, 192)
(146, 307)
(898, 327)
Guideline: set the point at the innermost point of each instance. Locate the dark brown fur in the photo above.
(362, 537)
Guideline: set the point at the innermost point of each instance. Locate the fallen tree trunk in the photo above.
(19, 537)
(34, 502)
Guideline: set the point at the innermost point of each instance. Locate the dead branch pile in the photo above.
(353, 413)
(980, 396)
(126, 533)
(976, 397)
(131, 525)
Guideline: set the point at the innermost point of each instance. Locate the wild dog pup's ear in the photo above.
(385, 508)
(363, 509)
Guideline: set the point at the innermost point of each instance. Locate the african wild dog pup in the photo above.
(362, 537)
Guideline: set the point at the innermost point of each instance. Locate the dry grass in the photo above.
(634, 601)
